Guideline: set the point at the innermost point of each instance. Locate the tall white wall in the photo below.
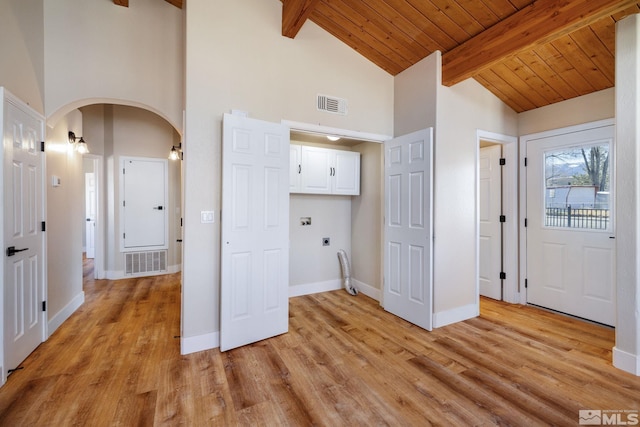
(65, 220)
(236, 58)
(456, 113)
(98, 52)
(22, 50)
(626, 353)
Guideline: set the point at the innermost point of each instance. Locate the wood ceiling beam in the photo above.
(176, 3)
(539, 23)
(124, 3)
(294, 15)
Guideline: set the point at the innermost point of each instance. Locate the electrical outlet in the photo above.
(326, 241)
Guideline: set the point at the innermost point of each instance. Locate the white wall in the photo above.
(584, 109)
(65, 221)
(22, 50)
(456, 113)
(98, 52)
(366, 217)
(626, 353)
(237, 58)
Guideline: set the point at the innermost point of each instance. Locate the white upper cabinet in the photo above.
(295, 168)
(325, 171)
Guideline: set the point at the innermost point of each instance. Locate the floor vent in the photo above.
(145, 262)
(331, 104)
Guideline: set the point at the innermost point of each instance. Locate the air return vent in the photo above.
(331, 104)
(145, 262)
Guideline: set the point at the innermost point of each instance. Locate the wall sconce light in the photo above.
(176, 152)
(81, 145)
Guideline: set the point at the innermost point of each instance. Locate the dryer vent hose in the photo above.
(346, 272)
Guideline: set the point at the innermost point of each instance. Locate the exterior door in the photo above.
(570, 229)
(490, 250)
(255, 231)
(408, 250)
(144, 204)
(24, 287)
(90, 213)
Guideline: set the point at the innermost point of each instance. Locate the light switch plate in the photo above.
(207, 217)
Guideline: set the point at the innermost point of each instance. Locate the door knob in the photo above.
(11, 250)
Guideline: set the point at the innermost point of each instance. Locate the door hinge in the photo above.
(42, 146)
(503, 275)
(123, 169)
(124, 203)
(503, 218)
(503, 161)
(43, 226)
(123, 235)
(525, 222)
(44, 306)
(525, 162)
(526, 283)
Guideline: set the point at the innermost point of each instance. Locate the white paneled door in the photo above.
(24, 318)
(570, 230)
(255, 231)
(490, 247)
(90, 213)
(145, 193)
(408, 251)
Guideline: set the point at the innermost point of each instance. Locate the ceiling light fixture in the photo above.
(81, 144)
(333, 138)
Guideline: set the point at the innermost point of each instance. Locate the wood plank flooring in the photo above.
(345, 361)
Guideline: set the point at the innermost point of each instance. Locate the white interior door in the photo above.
(490, 250)
(408, 250)
(144, 204)
(90, 213)
(570, 229)
(24, 319)
(255, 231)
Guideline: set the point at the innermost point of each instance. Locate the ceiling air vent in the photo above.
(331, 104)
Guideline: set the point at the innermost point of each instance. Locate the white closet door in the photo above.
(408, 252)
(255, 231)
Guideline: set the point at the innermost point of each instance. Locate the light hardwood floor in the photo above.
(345, 361)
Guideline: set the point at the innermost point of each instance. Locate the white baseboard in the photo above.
(455, 315)
(626, 361)
(368, 290)
(198, 343)
(58, 318)
(119, 274)
(314, 288)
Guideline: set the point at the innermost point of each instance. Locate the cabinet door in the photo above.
(346, 173)
(295, 168)
(316, 170)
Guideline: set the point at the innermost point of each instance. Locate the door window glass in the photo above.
(578, 187)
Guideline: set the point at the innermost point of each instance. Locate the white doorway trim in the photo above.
(98, 262)
(511, 293)
(523, 189)
(327, 130)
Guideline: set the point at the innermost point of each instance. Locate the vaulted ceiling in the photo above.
(528, 53)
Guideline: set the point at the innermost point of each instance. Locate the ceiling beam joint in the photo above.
(294, 15)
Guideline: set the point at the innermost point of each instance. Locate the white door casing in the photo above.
(490, 245)
(569, 269)
(90, 213)
(24, 280)
(255, 231)
(144, 201)
(408, 251)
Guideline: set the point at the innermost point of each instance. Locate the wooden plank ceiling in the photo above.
(528, 53)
